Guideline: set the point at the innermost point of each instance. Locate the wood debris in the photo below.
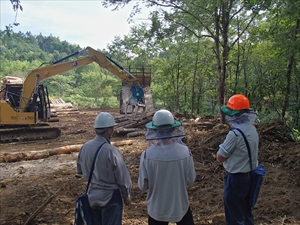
(133, 127)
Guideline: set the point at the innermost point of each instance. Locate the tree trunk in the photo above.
(289, 71)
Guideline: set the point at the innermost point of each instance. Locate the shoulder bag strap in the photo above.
(248, 147)
(92, 168)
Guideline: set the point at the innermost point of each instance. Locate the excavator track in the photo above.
(18, 134)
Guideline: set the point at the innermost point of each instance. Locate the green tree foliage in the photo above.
(249, 47)
(214, 20)
(85, 86)
(201, 52)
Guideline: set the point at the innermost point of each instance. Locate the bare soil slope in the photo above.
(26, 185)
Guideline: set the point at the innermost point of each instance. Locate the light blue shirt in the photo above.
(235, 151)
(165, 171)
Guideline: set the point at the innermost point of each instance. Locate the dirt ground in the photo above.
(27, 185)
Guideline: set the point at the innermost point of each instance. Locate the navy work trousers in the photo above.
(111, 214)
(236, 199)
(186, 220)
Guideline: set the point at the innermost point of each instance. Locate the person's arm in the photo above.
(227, 147)
(78, 168)
(143, 176)
(121, 174)
(220, 158)
(191, 172)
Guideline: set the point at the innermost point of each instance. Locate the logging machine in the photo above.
(25, 107)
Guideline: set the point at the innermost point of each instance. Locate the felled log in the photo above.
(67, 112)
(137, 123)
(122, 124)
(34, 155)
(123, 130)
(64, 150)
(59, 109)
(53, 119)
(136, 133)
(53, 114)
(122, 119)
(121, 143)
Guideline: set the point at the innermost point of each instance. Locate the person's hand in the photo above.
(127, 201)
(220, 158)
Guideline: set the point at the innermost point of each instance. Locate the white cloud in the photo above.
(86, 23)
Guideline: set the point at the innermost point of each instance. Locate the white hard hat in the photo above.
(103, 120)
(163, 119)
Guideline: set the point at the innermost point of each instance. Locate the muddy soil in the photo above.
(27, 185)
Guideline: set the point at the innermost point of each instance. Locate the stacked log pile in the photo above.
(9, 80)
(59, 107)
(133, 127)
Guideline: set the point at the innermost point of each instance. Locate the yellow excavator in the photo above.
(25, 107)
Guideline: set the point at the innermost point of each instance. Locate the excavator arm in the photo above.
(34, 78)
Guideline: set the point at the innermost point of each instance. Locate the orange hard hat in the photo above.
(236, 104)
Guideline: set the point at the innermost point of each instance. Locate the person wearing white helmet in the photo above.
(111, 181)
(166, 169)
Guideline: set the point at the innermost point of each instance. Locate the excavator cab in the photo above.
(11, 94)
(39, 103)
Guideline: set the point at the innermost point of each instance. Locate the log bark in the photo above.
(121, 143)
(53, 114)
(58, 109)
(123, 130)
(136, 133)
(34, 155)
(67, 112)
(138, 123)
(53, 119)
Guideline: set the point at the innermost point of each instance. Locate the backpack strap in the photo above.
(247, 144)
(92, 168)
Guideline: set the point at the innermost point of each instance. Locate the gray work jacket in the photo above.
(110, 172)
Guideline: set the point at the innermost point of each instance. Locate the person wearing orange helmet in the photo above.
(233, 153)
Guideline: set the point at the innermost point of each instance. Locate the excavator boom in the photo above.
(36, 76)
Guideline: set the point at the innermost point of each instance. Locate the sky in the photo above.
(82, 22)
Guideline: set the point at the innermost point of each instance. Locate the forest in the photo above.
(200, 53)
